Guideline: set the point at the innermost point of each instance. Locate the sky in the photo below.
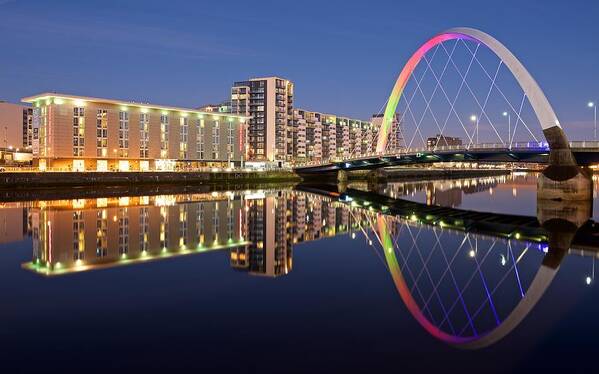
(343, 56)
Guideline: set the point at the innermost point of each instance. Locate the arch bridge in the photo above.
(563, 177)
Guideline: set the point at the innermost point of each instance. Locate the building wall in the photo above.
(11, 125)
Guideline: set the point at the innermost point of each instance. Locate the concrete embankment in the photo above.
(33, 185)
(28, 180)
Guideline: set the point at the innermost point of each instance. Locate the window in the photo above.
(230, 136)
(123, 134)
(102, 133)
(200, 139)
(78, 131)
(215, 139)
(164, 136)
(43, 131)
(183, 135)
(144, 135)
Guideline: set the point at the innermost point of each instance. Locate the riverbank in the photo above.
(46, 184)
(68, 185)
(33, 180)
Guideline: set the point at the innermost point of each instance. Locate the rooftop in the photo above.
(59, 98)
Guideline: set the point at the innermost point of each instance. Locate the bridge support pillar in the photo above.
(563, 179)
(377, 176)
(342, 181)
(572, 185)
(377, 180)
(342, 177)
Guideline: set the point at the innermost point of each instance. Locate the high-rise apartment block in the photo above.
(269, 104)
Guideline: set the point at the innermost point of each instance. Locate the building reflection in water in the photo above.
(259, 228)
(86, 234)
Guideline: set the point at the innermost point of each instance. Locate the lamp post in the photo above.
(509, 128)
(591, 104)
(473, 119)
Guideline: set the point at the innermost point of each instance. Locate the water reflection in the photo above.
(259, 228)
(469, 278)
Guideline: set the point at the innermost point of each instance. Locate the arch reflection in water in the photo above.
(467, 290)
(450, 265)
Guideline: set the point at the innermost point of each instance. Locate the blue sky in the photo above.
(343, 55)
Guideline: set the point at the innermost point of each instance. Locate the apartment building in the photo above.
(322, 137)
(268, 102)
(278, 132)
(442, 141)
(395, 140)
(79, 133)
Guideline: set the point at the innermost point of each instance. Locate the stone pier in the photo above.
(563, 179)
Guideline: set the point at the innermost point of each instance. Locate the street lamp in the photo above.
(592, 105)
(473, 119)
(509, 127)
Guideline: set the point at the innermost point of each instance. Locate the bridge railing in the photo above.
(585, 144)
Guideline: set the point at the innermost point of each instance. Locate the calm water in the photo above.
(294, 281)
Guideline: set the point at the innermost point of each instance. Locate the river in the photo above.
(300, 280)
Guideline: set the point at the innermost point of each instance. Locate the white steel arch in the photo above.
(543, 110)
